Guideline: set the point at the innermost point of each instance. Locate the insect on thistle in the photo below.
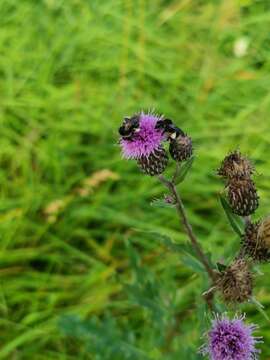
(129, 127)
(180, 144)
(169, 129)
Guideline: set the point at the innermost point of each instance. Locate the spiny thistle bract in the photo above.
(235, 283)
(155, 163)
(231, 339)
(256, 241)
(235, 165)
(242, 196)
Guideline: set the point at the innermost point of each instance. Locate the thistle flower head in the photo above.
(231, 340)
(235, 165)
(155, 163)
(235, 282)
(242, 196)
(145, 140)
(255, 241)
(181, 148)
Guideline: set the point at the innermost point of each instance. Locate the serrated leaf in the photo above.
(186, 251)
(188, 255)
(169, 243)
(183, 171)
(103, 337)
(193, 264)
(234, 220)
(161, 203)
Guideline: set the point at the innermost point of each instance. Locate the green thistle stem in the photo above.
(184, 220)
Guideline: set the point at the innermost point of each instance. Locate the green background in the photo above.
(72, 212)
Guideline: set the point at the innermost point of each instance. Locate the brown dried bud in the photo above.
(181, 148)
(243, 197)
(256, 241)
(235, 283)
(264, 231)
(235, 166)
(155, 163)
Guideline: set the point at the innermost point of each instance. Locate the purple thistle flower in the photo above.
(145, 140)
(231, 340)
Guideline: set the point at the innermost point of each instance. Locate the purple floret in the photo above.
(146, 140)
(231, 340)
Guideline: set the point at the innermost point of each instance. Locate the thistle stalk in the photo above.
(188, 227)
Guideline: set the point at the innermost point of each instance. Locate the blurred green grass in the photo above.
(69, 71)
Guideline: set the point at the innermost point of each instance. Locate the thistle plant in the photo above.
(150, 139)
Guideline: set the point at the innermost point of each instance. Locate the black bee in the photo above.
(129, 127)
(172, 132)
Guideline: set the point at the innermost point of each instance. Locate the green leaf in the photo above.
(259, 307)
(234, 220)
(220, 307)
(161, 203)
(221, 267)
(193, 264)
(188, 255)
(165, 240)
(183, 171)
(105, 337)
(257, 270)
(186, 251)
(134, 257)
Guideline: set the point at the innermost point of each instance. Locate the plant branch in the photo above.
(184, 220)
(176, 173)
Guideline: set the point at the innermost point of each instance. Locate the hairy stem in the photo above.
(184, 220)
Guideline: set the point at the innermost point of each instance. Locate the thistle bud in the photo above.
(235, 166)
(235, 282)
(242, 196)
(256, 241)
(181, 148)
(155, 163)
